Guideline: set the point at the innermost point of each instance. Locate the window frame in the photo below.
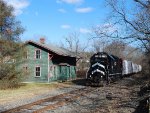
(60, 69)
(25, 69)
(36, 71)
(26, 55)
(54, 70)
(36, 54)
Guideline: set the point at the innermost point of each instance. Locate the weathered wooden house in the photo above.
(47, 63)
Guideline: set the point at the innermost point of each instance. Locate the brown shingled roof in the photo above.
(57, 50)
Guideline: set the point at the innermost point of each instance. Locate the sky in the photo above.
(55, 19)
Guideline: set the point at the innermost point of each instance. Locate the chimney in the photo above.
(42, 40)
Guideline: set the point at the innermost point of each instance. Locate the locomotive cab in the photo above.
(98, 69)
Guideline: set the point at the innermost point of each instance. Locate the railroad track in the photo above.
(51, 102)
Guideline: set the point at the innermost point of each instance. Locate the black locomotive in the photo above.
(103, 67)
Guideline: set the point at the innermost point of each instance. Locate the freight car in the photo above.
(130, 68)
(105, 67)
(127, 68)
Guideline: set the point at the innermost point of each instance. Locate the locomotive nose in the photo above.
(97, 77)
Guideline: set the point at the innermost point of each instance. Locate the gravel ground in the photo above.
(52, 93)
(118, 97)
(108, 99)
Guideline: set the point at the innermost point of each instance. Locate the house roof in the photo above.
(58, 50)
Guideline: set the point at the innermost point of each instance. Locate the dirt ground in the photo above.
(31, 92)
(121, 96)
(118, 97)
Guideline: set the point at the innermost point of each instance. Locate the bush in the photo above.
(81, 73)
(5, 84)
(10, 77)
(11, 58)
(146, 66)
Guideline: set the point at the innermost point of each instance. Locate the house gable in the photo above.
(50, 63)
(33, 62)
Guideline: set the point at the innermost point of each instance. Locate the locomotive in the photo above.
(104, 67)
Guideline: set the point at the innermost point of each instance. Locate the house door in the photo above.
(50, 74)
(69, 72)
(64, 73)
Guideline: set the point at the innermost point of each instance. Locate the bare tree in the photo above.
(98, 45)
(72, 43)
(128, 23)
(132, 24)
(116, 48)
(135, 55)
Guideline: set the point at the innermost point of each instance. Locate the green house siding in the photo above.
(73, 72)
(50, 63)
(53, 73)
(32, 63)
(63, 73)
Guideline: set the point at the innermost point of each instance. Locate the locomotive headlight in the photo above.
(101, 76)
(104, 56)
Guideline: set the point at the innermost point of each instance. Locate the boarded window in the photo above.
(38, 71)
(54, 70)
(69, 71)
(37, 54)
(75, 69)
(60, 69)
(25, 69)
(26, 55)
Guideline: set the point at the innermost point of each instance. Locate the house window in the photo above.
(54, 71)
(26, 55)
(60, 69)
(25, 69)
(37, 54)
(69, 71)
(75, 69)
(38, 71)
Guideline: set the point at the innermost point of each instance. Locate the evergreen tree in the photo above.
(11, 49)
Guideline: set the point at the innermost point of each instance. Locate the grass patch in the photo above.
(78, 81)
(27, 90)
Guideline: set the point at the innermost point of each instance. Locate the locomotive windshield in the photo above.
(99, 58)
